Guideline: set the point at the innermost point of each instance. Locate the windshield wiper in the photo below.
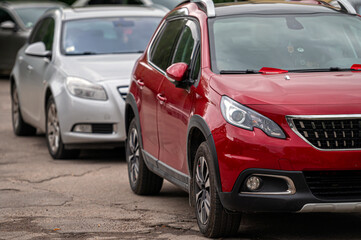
(331, 69)
(83, 53)
(129, 52)
(248, 71)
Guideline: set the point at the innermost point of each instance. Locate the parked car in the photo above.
(16, 22)
(249, 108)
(71, 77)
(163, 4)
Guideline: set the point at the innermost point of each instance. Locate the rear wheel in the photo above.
(212, 218)
(55, 144)
(142, 180)
(20, 127)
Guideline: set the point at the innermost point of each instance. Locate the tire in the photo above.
(54, 142)
(20, 127)
(213, 220)
(142, 181)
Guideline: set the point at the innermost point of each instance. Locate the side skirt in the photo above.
(166, 172)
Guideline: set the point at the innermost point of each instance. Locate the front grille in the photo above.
(102, 128)
(334, 184)
(330, 134)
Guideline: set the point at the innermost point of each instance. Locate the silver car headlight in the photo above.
(243, 117)
(84, 89)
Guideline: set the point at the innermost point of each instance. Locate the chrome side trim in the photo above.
(289, 119)
(331, 207)
(291, 186)
(211, 11)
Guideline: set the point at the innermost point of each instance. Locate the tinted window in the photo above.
(108, 35)
(163, 48)
(186, 44)
(4, 16)
(44, 32)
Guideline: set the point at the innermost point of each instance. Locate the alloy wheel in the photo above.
(133, 159)
(202, 190)
(53, 130)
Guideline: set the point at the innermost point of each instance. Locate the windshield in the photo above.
(107, 35)
(290, 42)
(29, 16)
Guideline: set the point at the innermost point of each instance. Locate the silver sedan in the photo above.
(71, 78)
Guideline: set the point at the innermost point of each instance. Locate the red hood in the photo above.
(304, 93)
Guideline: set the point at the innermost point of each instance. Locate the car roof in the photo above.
(107, 11)
(22, 4)
(271, 7)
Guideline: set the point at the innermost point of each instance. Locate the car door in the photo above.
(150, 80)
(175, 107)
(36, 71)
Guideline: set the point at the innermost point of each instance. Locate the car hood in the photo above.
(303, 93)
(100, 67)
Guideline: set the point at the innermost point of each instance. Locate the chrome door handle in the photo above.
(140, 83)
(161, 98)
(29, 67)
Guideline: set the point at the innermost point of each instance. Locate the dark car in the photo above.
(16, 22)
(249, 107)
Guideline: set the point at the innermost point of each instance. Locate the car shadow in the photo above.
(300, 226)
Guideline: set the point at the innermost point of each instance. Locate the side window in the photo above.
(161, 53)
(187, 49)
(5, 16)
(44, 32)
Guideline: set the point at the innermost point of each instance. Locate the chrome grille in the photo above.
(329, 133)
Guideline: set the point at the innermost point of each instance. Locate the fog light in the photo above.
(83, 128)
(253, 183)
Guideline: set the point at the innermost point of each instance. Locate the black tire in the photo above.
(54, 142)
(20, 127)
(142, 181)
(213, 220)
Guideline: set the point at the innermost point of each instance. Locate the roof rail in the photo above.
(211, 12)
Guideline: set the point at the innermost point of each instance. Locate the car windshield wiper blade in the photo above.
(82, 53)
(128, 52)
(331, 69)
(248, 71)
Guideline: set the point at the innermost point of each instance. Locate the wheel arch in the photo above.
(131, 111)
(198, 132)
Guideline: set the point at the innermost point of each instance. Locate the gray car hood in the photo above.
(100, 67)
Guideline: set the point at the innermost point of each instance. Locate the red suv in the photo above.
(249, 108)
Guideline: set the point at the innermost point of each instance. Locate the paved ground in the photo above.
(89, 198)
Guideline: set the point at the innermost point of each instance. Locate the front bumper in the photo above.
(74, 110)
(303, 200)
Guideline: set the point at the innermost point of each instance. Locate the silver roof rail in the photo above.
(346, 6)
(211, 11)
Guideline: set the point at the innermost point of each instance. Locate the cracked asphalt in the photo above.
(89, 198)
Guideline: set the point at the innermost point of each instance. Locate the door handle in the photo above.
(29, 67)
(161, 98)
(140, 83)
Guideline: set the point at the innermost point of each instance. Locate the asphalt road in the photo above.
(89, 198)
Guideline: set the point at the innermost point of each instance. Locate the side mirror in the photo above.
(37, 50)
(177, 71)
(8, 25)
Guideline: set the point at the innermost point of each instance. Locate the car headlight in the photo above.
(84, 89)
(243, 117)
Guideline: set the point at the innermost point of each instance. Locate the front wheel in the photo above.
(142, 181)
(55, 144)
(212, 218)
